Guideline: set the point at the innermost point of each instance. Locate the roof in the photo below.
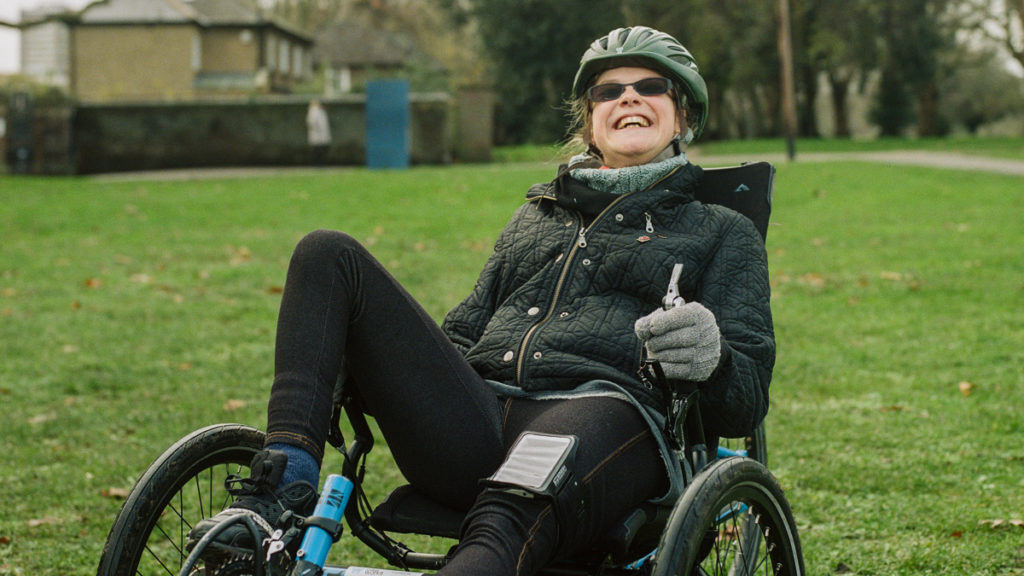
(351, 43)
(201, 12)
(226, 12)
(138, 12)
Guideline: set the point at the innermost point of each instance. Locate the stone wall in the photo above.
(145, 136)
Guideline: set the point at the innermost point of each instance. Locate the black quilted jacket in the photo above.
(574, 268)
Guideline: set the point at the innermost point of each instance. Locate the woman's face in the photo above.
(632, 129)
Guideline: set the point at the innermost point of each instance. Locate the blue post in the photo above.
(387, 124)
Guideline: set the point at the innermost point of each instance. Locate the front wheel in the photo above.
(183, 486)
(732, 520)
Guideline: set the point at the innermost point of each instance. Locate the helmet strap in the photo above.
(679, 143)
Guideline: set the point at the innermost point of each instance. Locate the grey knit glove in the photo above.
(684, 340)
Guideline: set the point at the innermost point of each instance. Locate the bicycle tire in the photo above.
(732, 520)
(182, 486)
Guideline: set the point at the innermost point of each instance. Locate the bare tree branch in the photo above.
(1013, 24)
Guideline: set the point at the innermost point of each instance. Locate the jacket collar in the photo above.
(570, 193)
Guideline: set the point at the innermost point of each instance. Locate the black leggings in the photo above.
(444, 425)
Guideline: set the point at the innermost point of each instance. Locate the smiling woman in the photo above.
(625, 81)
(633, 128)
(551, 341)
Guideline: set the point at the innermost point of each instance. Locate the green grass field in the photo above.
(134, 312)
(996, 147)
(1012, 148)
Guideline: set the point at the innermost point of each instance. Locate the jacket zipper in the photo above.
(580, 243)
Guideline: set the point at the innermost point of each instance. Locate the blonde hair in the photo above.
(580, 118)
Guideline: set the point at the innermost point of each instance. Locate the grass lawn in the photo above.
(1010, 148)
(134, 312)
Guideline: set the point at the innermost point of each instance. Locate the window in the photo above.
(298, 70)
(283, 60)
(197, 52)
(271, 53)
(345, 79)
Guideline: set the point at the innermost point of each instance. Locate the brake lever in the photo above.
(672, 298)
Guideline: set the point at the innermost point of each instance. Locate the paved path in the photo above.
(947, 160)
(208, 173)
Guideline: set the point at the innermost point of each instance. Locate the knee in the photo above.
(324, 245)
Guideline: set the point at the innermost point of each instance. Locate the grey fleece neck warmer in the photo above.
(630, 178)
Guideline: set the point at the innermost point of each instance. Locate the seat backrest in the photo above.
(746, 188)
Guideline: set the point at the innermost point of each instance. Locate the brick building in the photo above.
(163, 50)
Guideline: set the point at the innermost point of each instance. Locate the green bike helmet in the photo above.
(646, 48)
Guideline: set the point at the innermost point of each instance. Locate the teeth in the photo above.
(633, 121)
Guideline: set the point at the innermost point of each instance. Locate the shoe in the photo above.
(260, 495)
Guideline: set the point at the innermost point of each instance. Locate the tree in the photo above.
(529, 51)
(914, 36)
(1011, 22)
(534, 47)
(699, 27)
(804, 22)
(842, 45)
(306, 14)
(980, 91)
(439, 28)
(734, 43)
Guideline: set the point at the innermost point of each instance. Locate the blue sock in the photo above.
(301, 465)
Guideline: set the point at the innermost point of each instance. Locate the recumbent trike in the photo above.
(732, 517)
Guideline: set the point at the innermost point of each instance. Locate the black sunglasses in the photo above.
(646, 87)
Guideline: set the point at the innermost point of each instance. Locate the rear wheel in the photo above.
(183, 486)
(732, 520)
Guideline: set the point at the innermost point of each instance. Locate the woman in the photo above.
(565, 312)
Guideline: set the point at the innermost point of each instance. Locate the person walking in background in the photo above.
(318, 129)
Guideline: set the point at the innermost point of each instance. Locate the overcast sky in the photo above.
(10, 11)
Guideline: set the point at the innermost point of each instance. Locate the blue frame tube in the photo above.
(726, 453)
(316, 543)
